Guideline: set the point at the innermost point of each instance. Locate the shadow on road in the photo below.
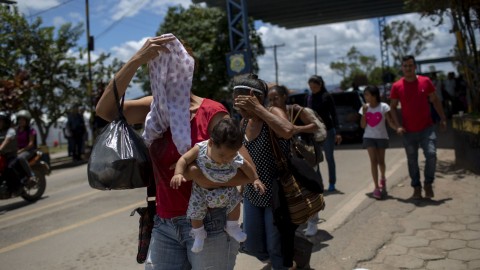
(422, 202)
(16, 205)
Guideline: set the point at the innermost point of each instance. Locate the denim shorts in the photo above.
(375, 143)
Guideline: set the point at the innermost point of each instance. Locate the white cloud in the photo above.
(127, 8)
(296, 61)
(28, 6)
(126, 50)
(58, 21)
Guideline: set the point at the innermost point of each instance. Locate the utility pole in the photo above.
(315, 55)
(275, 58)
(90, 47)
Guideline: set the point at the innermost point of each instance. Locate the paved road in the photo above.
(76, 227)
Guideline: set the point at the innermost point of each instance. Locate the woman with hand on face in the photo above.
(270, 236)
(169, 132)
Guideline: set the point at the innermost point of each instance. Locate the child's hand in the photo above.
(364, 108)
(259, 186)
(177, 180)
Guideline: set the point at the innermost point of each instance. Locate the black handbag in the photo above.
(119, 158)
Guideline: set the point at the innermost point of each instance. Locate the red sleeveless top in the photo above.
(163, 152)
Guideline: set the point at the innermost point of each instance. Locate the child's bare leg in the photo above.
(381, 161)
(372, 153)
(235, 214)
(196, 223)
(233, 228)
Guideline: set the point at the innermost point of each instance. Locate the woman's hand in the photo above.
(246, 102)
(259, 186)
(152, 47)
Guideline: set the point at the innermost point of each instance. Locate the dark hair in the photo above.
(408, 57)
(252, 80)
(317, 80)
(374, 91)
(227, 132)
(281, 90)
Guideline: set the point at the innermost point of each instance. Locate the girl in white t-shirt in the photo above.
(375, 137)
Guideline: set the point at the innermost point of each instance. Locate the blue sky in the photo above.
(121, 27)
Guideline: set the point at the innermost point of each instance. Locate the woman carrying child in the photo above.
(218, 159)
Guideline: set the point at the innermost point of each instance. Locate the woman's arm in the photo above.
(194, 173)
(106, 106)
(310, 126)
(249, 171)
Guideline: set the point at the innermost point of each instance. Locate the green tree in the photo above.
(405, 39)
(103, 68)
(205, 30)
(356, 69)
(465, 17)
(43, 57)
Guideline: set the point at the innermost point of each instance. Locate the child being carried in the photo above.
(218, 159)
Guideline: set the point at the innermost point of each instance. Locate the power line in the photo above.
(116, 22)
(48, 9)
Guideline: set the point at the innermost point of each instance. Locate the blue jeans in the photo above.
(427, 140)
(171, 243)
(328, 147)
(263, 237)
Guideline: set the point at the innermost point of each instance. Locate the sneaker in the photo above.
(383, 184)
(311, 229)
(377, 194)
(331, 187)
(428, 191)
(417, 193)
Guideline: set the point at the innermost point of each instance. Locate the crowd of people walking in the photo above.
(201, 161)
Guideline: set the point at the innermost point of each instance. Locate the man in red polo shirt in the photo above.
(414, 93)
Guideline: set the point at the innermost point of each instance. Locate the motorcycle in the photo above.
(14, 183)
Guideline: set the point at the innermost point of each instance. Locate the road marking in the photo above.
(37, 209)
(70, 227)
(337, 219)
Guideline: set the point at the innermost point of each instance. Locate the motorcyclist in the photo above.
(26, 139)
(8, 140)
(8, 150)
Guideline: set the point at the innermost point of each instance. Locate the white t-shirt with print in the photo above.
(376, 127)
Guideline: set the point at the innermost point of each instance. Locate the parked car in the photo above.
(347, 105)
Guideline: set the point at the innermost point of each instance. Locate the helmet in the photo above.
(25, 114)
